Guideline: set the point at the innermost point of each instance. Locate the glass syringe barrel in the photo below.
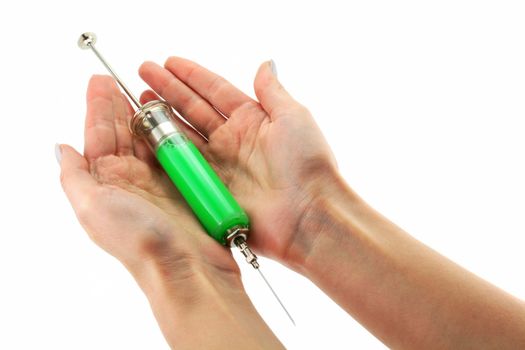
(211, 202)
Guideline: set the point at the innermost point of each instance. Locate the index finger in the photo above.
(105, 130)
(215, 89)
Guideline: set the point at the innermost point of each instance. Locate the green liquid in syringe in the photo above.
(198, 183)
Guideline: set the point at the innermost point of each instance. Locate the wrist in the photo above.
(331, 204)
(185, 275)
(209, 310)
(201, 305)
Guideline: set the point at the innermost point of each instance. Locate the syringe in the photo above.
(211, 202)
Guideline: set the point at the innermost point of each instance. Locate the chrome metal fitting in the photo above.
(237, 237)
(234, 232)
(154, 121)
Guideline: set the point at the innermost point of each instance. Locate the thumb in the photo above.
(269, 91)
(77, 182)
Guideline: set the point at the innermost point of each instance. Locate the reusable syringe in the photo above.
(211, 202)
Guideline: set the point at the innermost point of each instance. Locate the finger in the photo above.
(189, 104)
(275, 100)
(99, 131)
(187, 129)
(106, 120)
(144, 153)
(138, 147)
(122, 113)
(77, 182)
(214, 88)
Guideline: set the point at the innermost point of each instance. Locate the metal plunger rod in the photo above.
(87, 41)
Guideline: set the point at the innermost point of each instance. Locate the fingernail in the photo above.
(273, 66)
(58, 153)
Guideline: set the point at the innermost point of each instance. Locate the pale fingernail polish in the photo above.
(58, 153)
(273, 66)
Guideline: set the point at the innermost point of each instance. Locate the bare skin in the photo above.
(269, 153)
(274, 159)
(129, 208)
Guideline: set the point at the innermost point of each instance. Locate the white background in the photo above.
(422, 102)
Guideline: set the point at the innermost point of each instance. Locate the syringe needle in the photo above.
(275, 295)
(240, 242)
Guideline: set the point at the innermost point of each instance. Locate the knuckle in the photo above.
(63, 179)
(189, 74)
(260, 88)
(216, 85)
(85, 207)
(300, 109)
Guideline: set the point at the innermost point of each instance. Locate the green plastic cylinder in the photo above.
(201, 187)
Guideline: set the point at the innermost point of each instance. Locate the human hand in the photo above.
(129, 207)
(274, 159)
(270, 153)
(123, 200)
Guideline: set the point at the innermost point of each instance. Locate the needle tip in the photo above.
(276, 297)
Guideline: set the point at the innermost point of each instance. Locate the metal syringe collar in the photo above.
(154, 122)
